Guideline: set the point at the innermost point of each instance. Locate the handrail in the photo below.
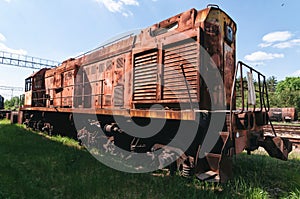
(108, 43)
(262, 91)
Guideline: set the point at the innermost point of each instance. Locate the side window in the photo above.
(109, 65)
(28, 84)
(228, 34)
(38, 81)
(101, 67)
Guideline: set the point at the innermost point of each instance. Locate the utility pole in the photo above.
(12, 89)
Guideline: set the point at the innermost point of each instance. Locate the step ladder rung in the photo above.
(207, 175)
(213, 160)
(224, 136)
(214, 179)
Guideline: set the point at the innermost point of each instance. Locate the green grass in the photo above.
(33, 165)
(286, 123)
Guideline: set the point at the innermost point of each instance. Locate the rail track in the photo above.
(291, 132)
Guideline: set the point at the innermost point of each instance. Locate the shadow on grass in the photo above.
(35, 166)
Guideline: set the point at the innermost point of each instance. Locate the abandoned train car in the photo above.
(283, 114)
(159, 74)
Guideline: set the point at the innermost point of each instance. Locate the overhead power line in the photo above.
(25, 61)
(12, 89)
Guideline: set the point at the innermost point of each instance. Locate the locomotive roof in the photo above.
(126, 35)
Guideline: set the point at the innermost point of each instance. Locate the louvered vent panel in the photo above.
(174, 83)
(120, 62)
(119, 96)
(145, 76)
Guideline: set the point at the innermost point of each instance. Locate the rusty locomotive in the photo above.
(182, 70)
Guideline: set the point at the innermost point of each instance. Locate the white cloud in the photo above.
(296, 73)
(262, 56)
(8, 1)
(277, 36)
(257, 64)
(264, 45)
(4, 48)
(127, 14)
(2, 38)
(288, 44)
(119, 6)
(111, 5)
(130, 2)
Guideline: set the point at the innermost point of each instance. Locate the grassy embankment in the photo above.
(287, 123)
(33, 165)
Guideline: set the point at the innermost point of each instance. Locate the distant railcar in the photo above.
(283, 114)
(2, 111)
(1, 102)
(159, 75)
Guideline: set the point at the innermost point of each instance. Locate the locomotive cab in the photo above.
(35, 89)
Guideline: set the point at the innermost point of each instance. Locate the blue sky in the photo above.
(268, 31)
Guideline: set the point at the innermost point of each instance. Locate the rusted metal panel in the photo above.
(241, 141)
(59, 84)
(128, 81)
(145, 76)
(110, 50)
(229, 63)
(289, 114)
(173, 78)
(164, 114)
(28, 99)
(221, 46)
(68, 88)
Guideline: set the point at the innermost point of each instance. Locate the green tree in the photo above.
(12, 104)
(288, 92)
(271, 85)
(289, 84)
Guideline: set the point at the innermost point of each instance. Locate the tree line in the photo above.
(14, 103)
(285, 93)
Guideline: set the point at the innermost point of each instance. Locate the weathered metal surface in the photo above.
(145, 76)
(173, 79)
(277, 147)
(162, 114)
